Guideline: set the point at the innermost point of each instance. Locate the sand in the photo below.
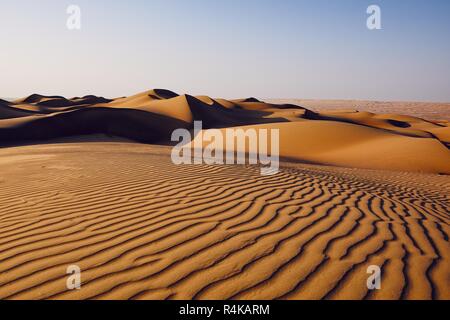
(426, 110)
(355, 189)
(140, 227)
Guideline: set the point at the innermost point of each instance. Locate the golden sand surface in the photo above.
(89, 181)
(140, 227)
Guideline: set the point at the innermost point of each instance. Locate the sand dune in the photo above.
(350, 139)
(427, 110)
(140, 227)
(355, 189)
(346, 145)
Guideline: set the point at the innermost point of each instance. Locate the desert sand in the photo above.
(89, 181)
(425, 110)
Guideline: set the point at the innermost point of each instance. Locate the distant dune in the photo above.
(426, 110)
(89, 181)
(357, 139)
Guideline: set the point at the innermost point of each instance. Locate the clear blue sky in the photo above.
(234, 48)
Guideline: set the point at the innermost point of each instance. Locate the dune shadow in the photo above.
(136, 125)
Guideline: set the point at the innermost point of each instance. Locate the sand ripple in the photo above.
(142, 228)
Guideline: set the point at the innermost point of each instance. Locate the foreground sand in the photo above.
(142, 228)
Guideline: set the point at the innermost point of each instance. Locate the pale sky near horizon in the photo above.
(315, 49)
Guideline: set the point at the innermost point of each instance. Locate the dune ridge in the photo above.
(358, 139)
(435, 111)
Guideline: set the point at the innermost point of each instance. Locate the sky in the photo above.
(316, 49)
